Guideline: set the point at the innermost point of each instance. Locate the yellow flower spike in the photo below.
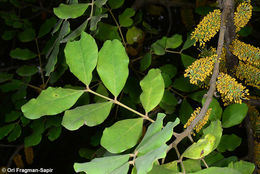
(200, 69)
(207, 28)
(231, 91)
(246, 52)
(242, 15)
(249, 73)
(201, 123)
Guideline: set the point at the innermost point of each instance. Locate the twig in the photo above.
(115, 101)
(202, 159)
(40, 61)
(20, 147)
(118, 26)
(210, 93)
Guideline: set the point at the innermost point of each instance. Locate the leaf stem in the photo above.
(115, 101)
(174, 52)
(118, 26)
(40, 60)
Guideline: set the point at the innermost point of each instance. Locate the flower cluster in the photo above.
(207, 28)
(201, 123)
(249, 73)
(246, 52)
(242, 15)
(230, 90)
(200, 69)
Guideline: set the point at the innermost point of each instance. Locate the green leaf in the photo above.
(54, 133)
(91, 115)
(94, 21)
(133, 35)
(159, 46)
(51, 101)
(234, 114)
(191, 165)
(12, 116)
(125, 18)
(144, 163)
(219, 170)
(27, 35)
(225, 161)
(243, 167)
(246, 31)
(216, 109)
(168, 102)
(107, 32)
(183, 84)
(187, 60)
(114, 4)
(153, 89)
(65, 11)
(214, 129)
(198, 96)
(8, 34)
(145, 62)
(212, 158)
(46, 27)
(100, 3)
(188, 43)
(36, 137)
(81, 56)
(5, 130)
(185, 111)
(16, 132)
(5, 77)
(156, 138)
(113, 66)
(27, 70)
(32, 140)
(105, 165)
(122, 135)
(169, 69)
(174, 42)
(201, 148)
(229, 142)
(22, 54)
(159, 169)
(173, 166)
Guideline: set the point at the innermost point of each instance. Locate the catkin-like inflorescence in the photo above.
(246, 52)
(249, 73)
(231, 91)
(242, 15)
(201, 123)
(207, 28)
(200, 69)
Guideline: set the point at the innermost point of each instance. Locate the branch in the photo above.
(228, 5)
(9, 164)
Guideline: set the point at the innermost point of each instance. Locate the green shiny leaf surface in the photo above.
(105, 165)
(112, 66)
(81, 56)
(65, 11)
(234, 114)
(122, 135)
(51, 101)
(201, 148)
(153, 89)
(90, 115)
(22, 54)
